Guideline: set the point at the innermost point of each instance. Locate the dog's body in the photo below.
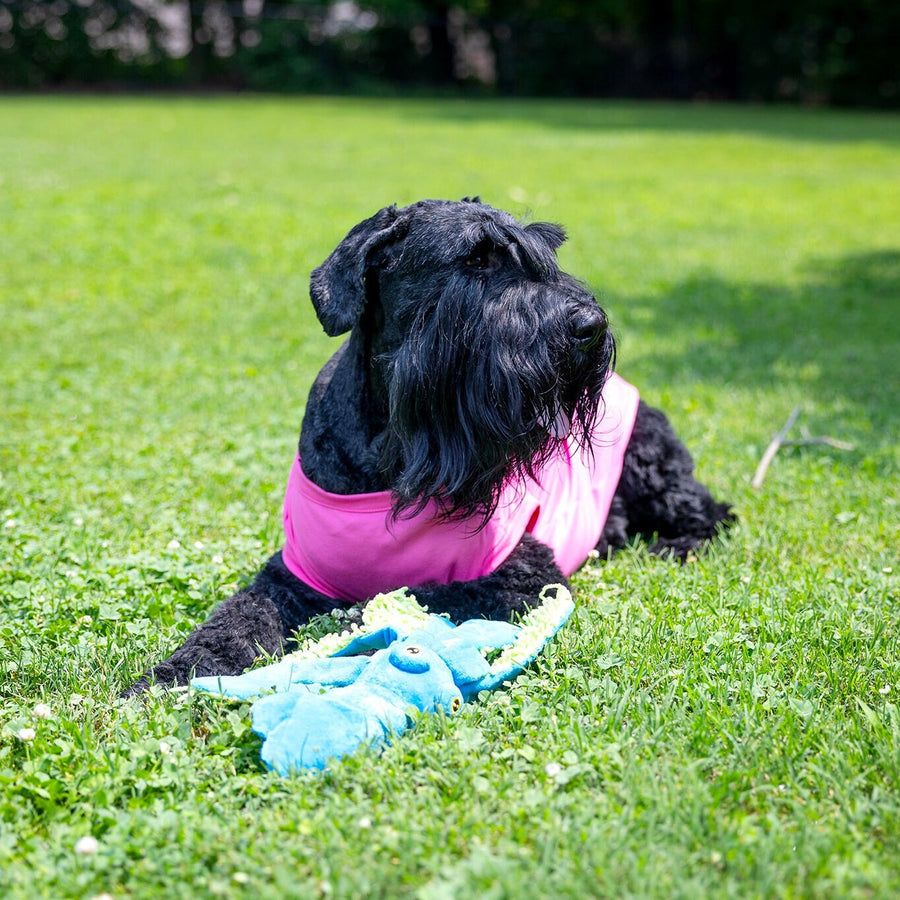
(473, 364)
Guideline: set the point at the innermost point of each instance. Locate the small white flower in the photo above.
(9, 523)
(78, 521)
(173, 545)
(553, 769)
(198, 545)
(364, 822)
(884, 690)
(42, 711)
(240, 878)
(217, 560)
(165, 748)
(26, 734)
(87, 845)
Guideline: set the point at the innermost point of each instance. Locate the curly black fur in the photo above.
(658, 497)
(470, 356)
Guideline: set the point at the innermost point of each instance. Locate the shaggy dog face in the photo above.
(483, 353)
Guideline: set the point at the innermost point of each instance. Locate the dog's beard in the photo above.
(470, 416)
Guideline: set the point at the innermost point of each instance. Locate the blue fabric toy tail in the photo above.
(312, 709)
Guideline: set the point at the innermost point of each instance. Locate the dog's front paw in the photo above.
(165, 675)
(138, 688)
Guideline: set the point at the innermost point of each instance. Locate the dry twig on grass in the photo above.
(780, 441)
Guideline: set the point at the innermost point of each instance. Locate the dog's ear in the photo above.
(338, 286)
(552, 235)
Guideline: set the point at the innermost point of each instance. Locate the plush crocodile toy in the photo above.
(326, 700)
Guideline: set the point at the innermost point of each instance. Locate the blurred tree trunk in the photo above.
(442, 57)
(200, 55)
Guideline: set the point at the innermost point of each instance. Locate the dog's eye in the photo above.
(479, 257)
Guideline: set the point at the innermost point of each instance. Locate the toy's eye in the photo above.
(455, 704)
(410, 658)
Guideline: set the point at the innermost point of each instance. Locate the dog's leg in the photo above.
(257, 620)
(504, 594)
(658, 496)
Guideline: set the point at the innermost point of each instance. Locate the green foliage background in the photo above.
(729, 727)
(816, 52)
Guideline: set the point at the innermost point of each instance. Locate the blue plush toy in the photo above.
(312, 709)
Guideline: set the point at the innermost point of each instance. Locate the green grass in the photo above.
(726, 728)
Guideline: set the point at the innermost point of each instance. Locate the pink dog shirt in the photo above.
(350, 547)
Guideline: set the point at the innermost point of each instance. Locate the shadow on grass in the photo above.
(833, 338)
(787, 122)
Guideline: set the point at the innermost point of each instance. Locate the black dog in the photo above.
(473, 366)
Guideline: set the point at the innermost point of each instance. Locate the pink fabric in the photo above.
(350, 547)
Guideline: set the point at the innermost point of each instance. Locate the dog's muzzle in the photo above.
(588, 328)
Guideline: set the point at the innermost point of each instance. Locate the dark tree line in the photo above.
(810, 51)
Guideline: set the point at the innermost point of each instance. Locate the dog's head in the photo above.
(484, 353)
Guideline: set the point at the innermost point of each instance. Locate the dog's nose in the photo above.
(588, 328)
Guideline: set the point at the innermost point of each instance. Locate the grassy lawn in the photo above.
(726, 728)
